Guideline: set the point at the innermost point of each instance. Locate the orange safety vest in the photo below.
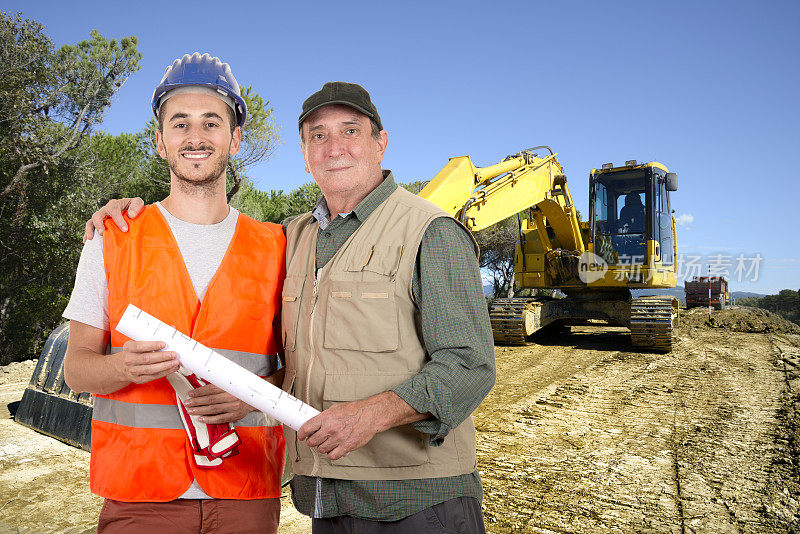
(140, 451)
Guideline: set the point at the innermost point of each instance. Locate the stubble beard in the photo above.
(205, 185)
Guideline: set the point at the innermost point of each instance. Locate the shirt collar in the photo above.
(364, 208)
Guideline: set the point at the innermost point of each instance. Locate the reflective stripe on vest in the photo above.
(154, 415)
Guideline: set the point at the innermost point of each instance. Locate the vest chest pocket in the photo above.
(361, 316)
(290, 310)
(380, 259)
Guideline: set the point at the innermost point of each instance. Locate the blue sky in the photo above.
(710, 89)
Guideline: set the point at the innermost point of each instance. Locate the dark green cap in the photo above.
(346, 94)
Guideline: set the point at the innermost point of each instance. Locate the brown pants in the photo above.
(456, 516)
(190, 516)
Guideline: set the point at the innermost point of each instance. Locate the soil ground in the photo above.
(580, 434)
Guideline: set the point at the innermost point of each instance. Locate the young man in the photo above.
(198, 264)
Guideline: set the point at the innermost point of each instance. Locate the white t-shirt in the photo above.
(202, 247)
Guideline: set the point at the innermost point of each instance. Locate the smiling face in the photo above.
(341, 153)
(196, 139)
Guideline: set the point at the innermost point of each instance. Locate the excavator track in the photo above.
(652, 321)
(509, 325)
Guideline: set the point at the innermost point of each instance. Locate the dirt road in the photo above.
(699, 440)
(579, 435)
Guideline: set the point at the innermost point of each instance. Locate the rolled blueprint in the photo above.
(217, 369)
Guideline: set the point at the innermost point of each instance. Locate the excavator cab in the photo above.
(631, 220)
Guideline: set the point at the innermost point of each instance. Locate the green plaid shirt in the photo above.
(455, 329)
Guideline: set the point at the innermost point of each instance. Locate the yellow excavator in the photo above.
(629, 242)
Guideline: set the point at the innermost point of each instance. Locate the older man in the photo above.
(386, 330)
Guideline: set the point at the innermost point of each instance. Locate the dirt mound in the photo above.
(17, 371)
(739, 319)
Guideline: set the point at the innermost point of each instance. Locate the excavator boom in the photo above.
(483, 196)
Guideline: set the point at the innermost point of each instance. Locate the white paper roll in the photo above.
(217, 369)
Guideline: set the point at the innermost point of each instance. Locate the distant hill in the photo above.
(679, 293)
(745, 294)
(676, 292)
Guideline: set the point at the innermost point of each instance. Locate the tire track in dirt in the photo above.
(638, 442)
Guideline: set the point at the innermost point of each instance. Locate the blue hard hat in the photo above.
(205, 71)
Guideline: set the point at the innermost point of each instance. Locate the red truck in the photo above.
(707, 291)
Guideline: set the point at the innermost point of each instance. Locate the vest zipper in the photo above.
(311, 340)
(314, 453)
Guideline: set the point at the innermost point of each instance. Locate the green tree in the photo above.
(259, 139)
(498, 244)
(50, 100)
(124, 165)
(275, 206)
(414, 187)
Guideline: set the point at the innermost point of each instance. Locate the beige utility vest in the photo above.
(352, 331)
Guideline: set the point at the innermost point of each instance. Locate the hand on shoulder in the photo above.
(113, 209)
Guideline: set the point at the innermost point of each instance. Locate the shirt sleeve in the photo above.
(456, 331)
(89, 301)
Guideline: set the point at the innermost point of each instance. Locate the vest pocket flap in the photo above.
(351, 387)
(380, 259)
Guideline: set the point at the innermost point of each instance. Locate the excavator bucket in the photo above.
(48, 405)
